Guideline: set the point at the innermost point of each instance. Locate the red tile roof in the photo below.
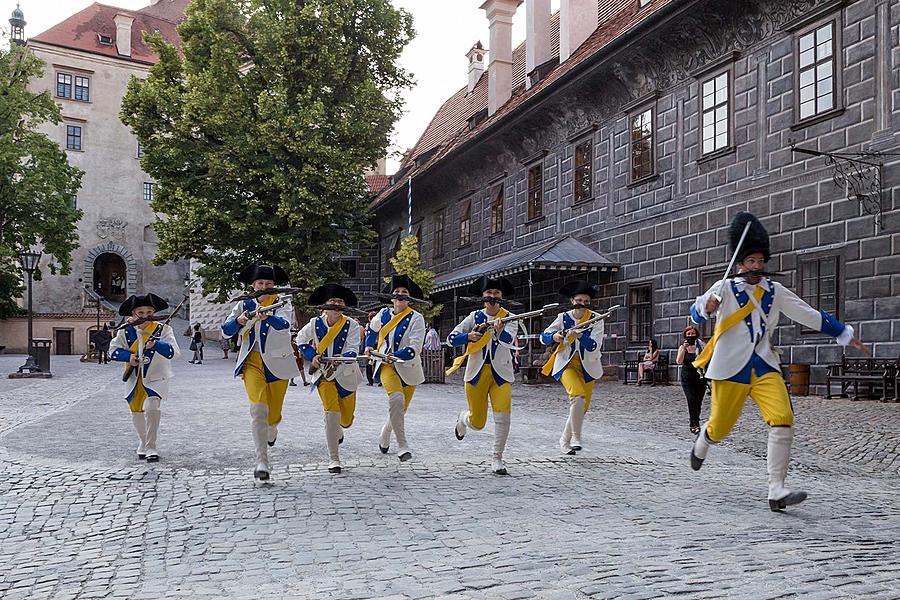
(449, 128)
(81, 30)
(377, 183)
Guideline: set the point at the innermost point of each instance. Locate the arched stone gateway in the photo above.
(131, 266)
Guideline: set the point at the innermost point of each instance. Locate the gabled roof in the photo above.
(81, 31)
(449, 129)
(376, 183)
(564, 253)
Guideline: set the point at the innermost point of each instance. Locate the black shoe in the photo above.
(576, 449)
(696, 463)
(272, 443)
(155, 458)
(261, 475)
(190, 361)
(334, 470)
(571, 452)
(789, 500)
(199, 362)
(141, 456)
(456, 433)
(384, 450)
(341, 441)
(405, 456)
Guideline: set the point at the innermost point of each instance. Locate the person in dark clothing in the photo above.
(692, 382)
(101, 340)
(197, 341)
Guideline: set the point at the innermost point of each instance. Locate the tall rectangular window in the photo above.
(148, 191)
(716, 112)
(73, 137)
(63, 85)
(642, 145)
(817, 64)
(497, 210)
(583, 171)
(819, 282)
(82, 89)
(439, 223)
(640, 313)
(465, 224)
(140, 150)
(535, 191)
(349, 267)
(73, 201)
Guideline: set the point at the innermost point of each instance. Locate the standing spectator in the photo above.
(370, 369)
(197, 341)
(432, 339)
(692, 382)
(648, 363)
(101, 340)
(225, 341)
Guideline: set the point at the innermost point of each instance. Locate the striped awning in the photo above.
(561, 254)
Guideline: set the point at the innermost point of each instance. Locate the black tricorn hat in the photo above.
(579, 286)
(492, 283)
(135, 301)
(757, 239)
(326, 292)
(403, 281)
(270, 272)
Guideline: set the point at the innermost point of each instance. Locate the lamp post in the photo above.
(29, 261)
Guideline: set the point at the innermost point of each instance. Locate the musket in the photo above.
(129, 368)
(490, 300)
(404, 298)
(519, 317)
(251, 317)
(734, 256)
(387, 358)
(331, 363)
(269, 292)
(760, 274)
(141, 321)
(580, 328)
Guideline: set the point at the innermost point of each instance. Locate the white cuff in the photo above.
(846, 336)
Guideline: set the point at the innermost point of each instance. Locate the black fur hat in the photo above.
(757, 239)
(324, 293)
(270, 272)
(579, 286)
(135, 301)
(492, 283)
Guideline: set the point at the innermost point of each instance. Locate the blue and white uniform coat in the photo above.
(270, 337)
(498, 352)
(405, 342)
(746, 348)
(587, 345)
(157, 370)
(347, 375)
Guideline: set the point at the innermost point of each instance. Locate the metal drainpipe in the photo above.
(558, 194)
(530, 287)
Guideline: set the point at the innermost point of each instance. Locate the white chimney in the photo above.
(537, 36)
(476, 64)
(500, 17)
(577, 21)
(123, 34)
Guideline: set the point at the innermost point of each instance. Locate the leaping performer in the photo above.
(740, 360)
(266, 362)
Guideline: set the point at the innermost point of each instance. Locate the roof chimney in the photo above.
(577, 21)
(500, 16)
(537, 37)
(476, 64)
(123, 34)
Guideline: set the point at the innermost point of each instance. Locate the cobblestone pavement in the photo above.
(80, 518)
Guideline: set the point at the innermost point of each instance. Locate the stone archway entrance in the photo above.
(110, 275)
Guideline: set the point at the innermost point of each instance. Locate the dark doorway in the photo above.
(63, 341)
(110, 276)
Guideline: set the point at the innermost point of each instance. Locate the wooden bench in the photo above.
(653, 376)
(871, 372)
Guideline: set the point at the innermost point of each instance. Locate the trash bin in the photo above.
(798, 376)
(41, 349)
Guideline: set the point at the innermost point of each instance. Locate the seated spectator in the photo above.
(648, 363)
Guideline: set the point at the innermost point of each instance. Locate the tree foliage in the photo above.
(259, 129)
(36, 180)
(408, 262)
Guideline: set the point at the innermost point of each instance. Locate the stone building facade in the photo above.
(644, 137)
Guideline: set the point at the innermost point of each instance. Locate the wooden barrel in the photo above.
(798, 376)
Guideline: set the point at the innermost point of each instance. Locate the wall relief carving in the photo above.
(112, 228)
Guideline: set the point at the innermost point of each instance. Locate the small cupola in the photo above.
(17, 27)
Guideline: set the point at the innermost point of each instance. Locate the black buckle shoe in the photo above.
(696, 463)
(261, 475)
(405, 456)
(384, 449)
(789, 500)
(334, 470)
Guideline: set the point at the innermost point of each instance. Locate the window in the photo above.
(73, 137)
(497, 211)
(140, 150)
(640, 313)
(63, 85)
(439, 220)
(73, 201)
(82, 89)
(104, 39)
(716, 92)
(817, 70)
(348, 266)
(642, 145)
(465, 224)
(148, 191)
(535, 191)
(819, 278)
(583, 171)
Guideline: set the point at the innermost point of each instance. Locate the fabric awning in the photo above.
(561, 254)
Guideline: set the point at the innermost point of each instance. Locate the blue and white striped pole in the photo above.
(409, 206)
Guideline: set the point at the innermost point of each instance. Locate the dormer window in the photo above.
(104, 40)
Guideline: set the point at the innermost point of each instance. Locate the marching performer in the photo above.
(489, 364)
(398, 332)
(740, 360)
(328, 336)
(266, 361)
(149, 349)
(576, 360)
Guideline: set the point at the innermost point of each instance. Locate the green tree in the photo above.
(408, 262)
(259, 129)
(36, 180)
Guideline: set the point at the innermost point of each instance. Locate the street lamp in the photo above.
(29, 260)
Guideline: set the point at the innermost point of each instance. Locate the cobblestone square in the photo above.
(627, 518)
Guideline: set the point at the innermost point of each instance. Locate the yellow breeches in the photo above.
(261, 391)
(332, 402)
(392, 383)
(477, 396)
(140, 394)
(728, 397)
(572, 380)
